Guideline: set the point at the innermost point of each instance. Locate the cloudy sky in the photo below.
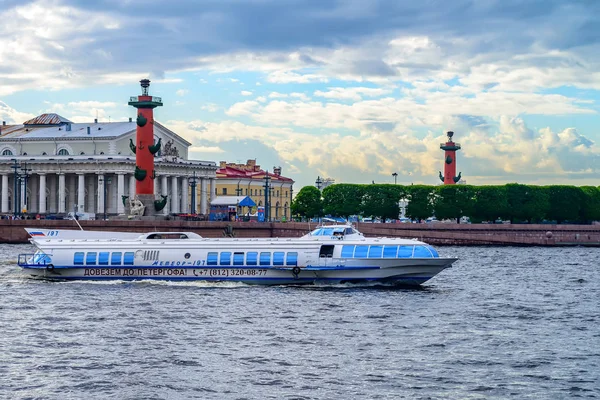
(354, 90)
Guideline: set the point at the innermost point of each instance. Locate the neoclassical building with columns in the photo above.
(50, 165)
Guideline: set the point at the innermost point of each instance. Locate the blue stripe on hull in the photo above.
(408, 281)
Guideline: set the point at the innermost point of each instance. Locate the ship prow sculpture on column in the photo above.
(145, 203)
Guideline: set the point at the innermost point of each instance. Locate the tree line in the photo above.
(514, 202)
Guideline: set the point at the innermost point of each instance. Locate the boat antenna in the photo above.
(77, 222)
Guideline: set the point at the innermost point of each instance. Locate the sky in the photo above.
(352, 90)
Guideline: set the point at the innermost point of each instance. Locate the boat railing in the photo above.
(33, 260)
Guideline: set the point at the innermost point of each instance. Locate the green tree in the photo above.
(307, 202)
(490, 203)
(380, 201)
(565, 203)
(421, 201)
(453, 201)
(590, 208)
(526, 202)
(342, 200)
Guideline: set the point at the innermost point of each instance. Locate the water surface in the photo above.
(503, 322)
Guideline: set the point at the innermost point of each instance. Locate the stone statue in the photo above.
(136, 207)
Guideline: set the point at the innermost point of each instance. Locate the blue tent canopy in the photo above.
(247, 202)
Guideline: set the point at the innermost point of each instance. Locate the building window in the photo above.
(246, 191)
(7, 152)
(224, 191)
(286, 193)
(63, 152)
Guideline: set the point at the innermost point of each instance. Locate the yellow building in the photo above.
(249, 180)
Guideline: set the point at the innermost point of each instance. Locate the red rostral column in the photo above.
(450, 148)
(145, 148)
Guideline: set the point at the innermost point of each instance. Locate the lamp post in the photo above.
(192, 180)
(395, 175)
(267, 179)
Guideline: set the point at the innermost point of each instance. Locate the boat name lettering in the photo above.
(157, 272)
(177, 263)
(102, 271)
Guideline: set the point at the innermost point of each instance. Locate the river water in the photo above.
(504, 322)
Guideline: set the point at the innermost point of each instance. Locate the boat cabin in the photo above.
(171, 235)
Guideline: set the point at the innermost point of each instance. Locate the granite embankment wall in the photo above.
(11, 231)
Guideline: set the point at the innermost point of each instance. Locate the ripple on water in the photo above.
(503, 322)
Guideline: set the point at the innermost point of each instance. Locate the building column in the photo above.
(81, 193)
(4, 193)
(131, 186)
(42, 193)
(213, 189)
(184, 196)
(61, 193)
(91, 198)
(120, 193)
(100, 194)
(203, 196)
(52, 200)
(23, 199)
(164, 190)
(174, 194)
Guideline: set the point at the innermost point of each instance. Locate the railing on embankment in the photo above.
(11, 231)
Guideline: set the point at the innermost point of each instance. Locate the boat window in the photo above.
(361, 251)
(265, 258)
(327, 232)
(347, 251)
(348, 231)
(375, 251)
(238, 258)
(103, 258)
(405, 252)
(326, 251)
(90, 258)
(78, 258)
(292, 258)
(422, 252)
(225, 258)
(316, 232)
(278, 257)
(41, 258)
(390, 251)
(433, 252)
(115, 258)
(211, 258)
(128, 258)
(251, 258)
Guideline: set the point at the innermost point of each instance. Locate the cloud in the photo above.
(12, 116)
(246, 93)
(182, 92)
(86, 111)
(351, 93)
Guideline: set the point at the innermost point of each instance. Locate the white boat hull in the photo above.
(415, 274)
